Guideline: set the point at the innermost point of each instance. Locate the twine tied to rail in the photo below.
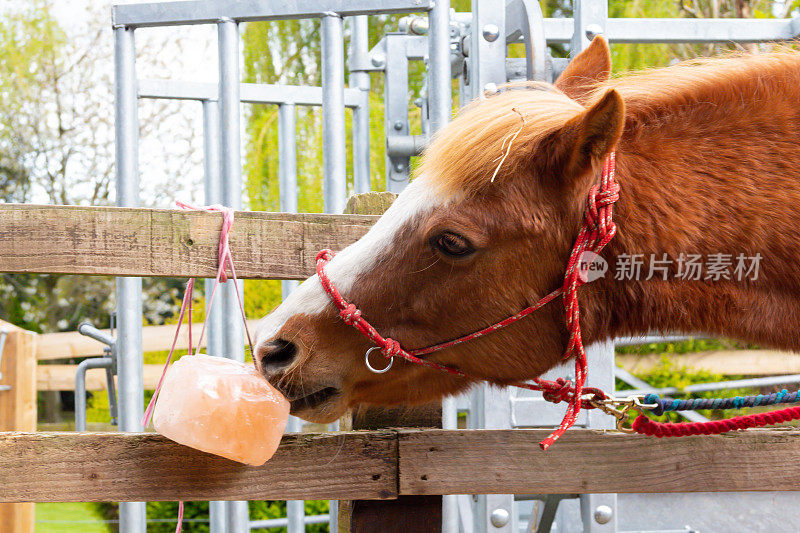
(225, 260)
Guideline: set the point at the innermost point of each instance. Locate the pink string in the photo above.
(180, 518)
(225, 257)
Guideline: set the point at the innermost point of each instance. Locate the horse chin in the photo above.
(322, 407)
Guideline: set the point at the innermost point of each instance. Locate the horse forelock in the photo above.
(464, 156)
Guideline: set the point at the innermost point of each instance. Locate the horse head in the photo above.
(484, 230)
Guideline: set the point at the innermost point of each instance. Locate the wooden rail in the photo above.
(17, 409)
(69, 344)
(117, 241)
(62, 377)
(725, 362)
(385, 463)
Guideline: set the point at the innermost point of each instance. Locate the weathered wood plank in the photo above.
(18, 410)
(76, 467)
(726, 362)
(371, 465)
(173, 243)
(587, 461)
(68, 344)
(62, 377)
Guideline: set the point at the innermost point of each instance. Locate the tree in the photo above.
(57, 147)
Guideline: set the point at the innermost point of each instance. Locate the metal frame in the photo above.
(210, 12)
(222, 166)
(471, 46)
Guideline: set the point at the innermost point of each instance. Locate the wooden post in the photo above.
(17, 409)
(421, 514)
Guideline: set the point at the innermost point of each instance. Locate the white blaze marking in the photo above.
(310, 299)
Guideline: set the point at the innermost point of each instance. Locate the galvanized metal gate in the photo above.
(471, 47)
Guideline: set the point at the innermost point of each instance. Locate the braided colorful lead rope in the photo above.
(646, 426)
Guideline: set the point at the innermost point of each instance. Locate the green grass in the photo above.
(68, 518)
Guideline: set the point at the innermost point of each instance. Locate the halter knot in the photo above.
(391, 348)
(560, 390)
(324, 255)
(350, 314)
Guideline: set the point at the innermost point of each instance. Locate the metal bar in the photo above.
(523, 19)
(592, 15)
(213, 195)
(250, 93)
(287, 171)
(230, 165)
(287, 189)
(132, 515)
(680, 30)
(440, 99)
(630, 379)
(651, 339)
(334, 164)
(218, 510)
(97, 334)
(205, 12)
(295, 509)
(90, 331)
(405, 146)
(80, 387)
(450, 501)
(396, 109)
(231, 174)
(359, 80)
(283, 522)
(111, 392)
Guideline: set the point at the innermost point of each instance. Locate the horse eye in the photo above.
(453, 245)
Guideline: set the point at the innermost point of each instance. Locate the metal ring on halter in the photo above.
(373, 369)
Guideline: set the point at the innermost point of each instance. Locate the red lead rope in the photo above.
(597, 230)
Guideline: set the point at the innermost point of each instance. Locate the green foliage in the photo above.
(667, 373)
(689, 345)
(168, 511)
(66, 517)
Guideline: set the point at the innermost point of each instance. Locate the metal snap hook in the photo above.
(373, 369)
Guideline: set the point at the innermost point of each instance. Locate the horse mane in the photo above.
(463, 157)
(735, 78)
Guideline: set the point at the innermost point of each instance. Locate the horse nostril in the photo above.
(277, 354)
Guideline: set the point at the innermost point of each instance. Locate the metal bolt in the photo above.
(398, 125)
(603, 514)
(491, 32)
(399, 167)
(378, 60)
(499, 517)
(593, 30)
(418, 102)
(490, 88)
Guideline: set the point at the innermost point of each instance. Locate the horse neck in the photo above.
(712, 179)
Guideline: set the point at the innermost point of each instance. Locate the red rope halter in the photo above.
(597, 230)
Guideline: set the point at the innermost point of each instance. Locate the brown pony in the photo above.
(707, 160)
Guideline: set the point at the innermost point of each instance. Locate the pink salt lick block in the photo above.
(222, 407)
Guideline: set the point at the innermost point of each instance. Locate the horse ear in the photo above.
(586, 70)
(587, 138)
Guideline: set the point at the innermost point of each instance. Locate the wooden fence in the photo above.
(384, 464)
(17, 410)
(366, 465)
